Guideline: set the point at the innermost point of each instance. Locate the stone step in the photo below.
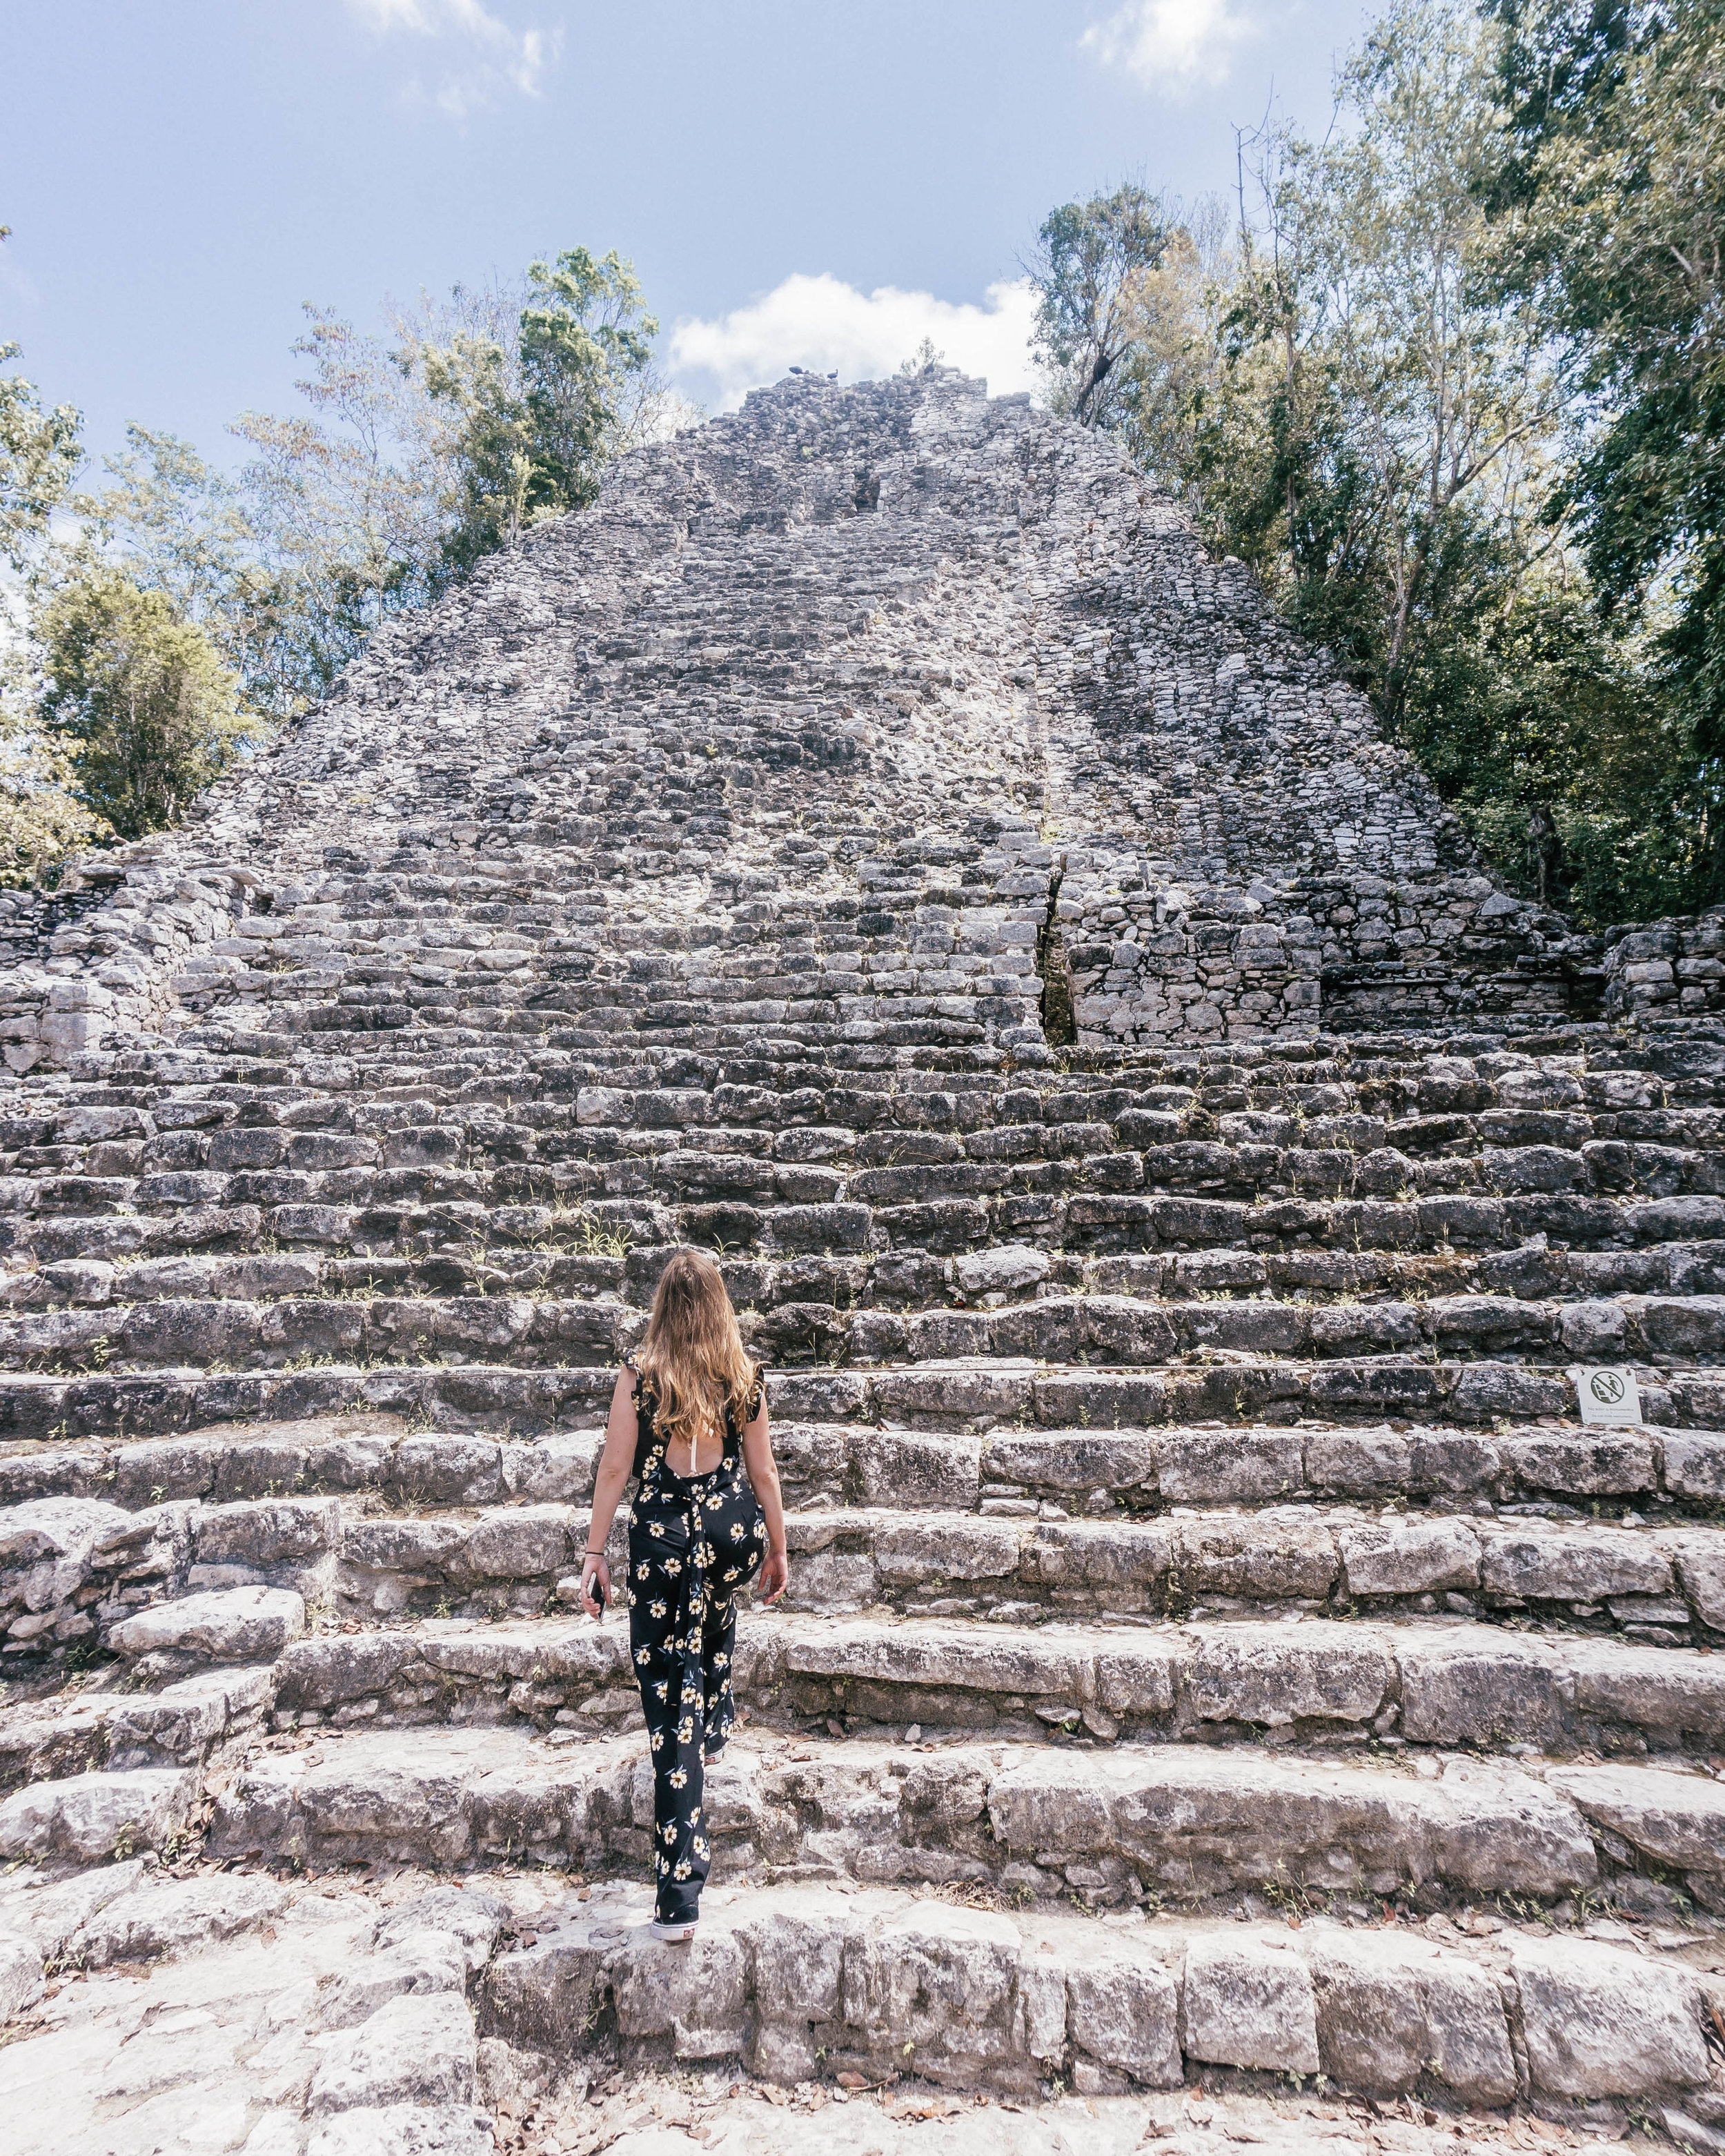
(1142, 1826)
(179, 1326)
(79, 1570)
(391, 2015)
(1456, 1683)
(1007, 1469)
(801, 1978)
(1309, 1559)
(1271, 1091)
(968, 1393)
(950, 1143)
(1157, 1135)
(108, 1732)
(1157, 1248)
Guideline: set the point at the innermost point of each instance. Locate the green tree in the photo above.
(41, 816)
(491, 472)
(181, 528)
(418, 452)
(534, 422)
(140, 700)
(1089, 260)
(586, 339)
(1611, 204)
(1413, 445)
(1381, 421)
(40, 451)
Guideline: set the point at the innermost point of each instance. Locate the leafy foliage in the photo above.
(1369, 393)
(193, 608)
(150, 713)
(1611, 197)
(39, 454)
(1089, 261)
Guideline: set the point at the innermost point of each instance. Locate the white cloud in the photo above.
(1169, 46)
(829, 326)
(492, 57)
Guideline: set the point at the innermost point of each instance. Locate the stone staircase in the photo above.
(876, 845)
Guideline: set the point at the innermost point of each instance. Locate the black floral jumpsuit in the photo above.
(693, 1541)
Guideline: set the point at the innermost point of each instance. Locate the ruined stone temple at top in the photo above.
(1171, 1186)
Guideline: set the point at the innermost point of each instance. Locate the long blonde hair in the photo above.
(691, 1356)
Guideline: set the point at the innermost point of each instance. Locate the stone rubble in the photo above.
(1226, 1693)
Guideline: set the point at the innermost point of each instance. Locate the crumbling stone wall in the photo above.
(1668, 969)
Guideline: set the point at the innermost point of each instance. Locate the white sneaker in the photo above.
(678, 1934)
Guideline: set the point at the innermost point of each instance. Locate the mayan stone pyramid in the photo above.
(1173, 1188)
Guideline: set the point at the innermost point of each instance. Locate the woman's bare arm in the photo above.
(763, 1480)
(616, 1464)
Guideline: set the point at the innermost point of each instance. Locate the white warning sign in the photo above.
(1607, 1393)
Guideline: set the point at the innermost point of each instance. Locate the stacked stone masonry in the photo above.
(1172, 1190)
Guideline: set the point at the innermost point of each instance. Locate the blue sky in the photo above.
(181, 174)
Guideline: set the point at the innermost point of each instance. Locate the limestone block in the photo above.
(1594, 1463)
(1360, 1463)
(418, 2048)
(1700, 1561)
(1466, 1691)
(416, 1962)
(1390, 2011)
(1595, 1332)
(895, 1468)
(447, 1471)
(945, 1546)
(20, 1975)
(1123, 2011)
(290, 1531)
(983, 1392)
(1246, 2002)
(1070, 1459)
(395, 1544)
(1274, 1674)
(1266, 1555)
(45, 1546)
(1677, 1820)
(395, 2129)
(172, 1916)
(936, 1984)
(1600, 2023)
(1004, 1268)
(95, 1816)
(795, 1972)
(236, 1624)
(1694, 1462)
(694, 1993)
(1664, 1689)
(1101, 1555)
(523, 1543)
(1205, 1466)
(1138, 1681)
(1407, 1555)
(1551, 1565)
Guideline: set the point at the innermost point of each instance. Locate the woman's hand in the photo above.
(775, 1576)
(595, 1568)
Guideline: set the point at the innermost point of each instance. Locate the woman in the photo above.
(688, 1418)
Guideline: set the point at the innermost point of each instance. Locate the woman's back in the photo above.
(689, 1419)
